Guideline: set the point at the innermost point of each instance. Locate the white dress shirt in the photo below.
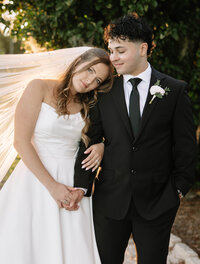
(142, 87)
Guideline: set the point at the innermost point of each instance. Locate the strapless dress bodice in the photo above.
(57, 136)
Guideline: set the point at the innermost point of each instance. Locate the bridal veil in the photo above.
(15, 73)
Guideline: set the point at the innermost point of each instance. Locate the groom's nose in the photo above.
(114, 56)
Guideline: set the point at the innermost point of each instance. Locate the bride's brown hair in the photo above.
(88, 100)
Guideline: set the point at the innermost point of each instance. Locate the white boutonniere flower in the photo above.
(157, 91)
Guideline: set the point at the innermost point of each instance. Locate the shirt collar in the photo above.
(145, 75)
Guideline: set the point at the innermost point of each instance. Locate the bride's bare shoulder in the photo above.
(36, 84)
(42, 83)
(38, 90)
(43, 86)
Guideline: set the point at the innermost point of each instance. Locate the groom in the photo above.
(149, 156)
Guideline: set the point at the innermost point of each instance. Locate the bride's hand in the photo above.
(94, 158)
(60, 193)
(77, 195)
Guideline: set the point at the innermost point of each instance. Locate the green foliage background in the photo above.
(58, 24)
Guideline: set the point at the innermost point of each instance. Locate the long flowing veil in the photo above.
(15, 72)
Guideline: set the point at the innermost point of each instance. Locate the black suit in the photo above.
(142, 174)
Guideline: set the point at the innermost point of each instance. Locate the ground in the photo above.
(187, 223)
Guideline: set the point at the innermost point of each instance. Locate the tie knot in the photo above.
(135, 81)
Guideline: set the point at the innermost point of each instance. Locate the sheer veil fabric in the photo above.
(15, 73)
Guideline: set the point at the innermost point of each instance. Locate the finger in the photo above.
(93, 160)
(92, 154)
(72, 203)
(88, 150)
(66, 201)
(60, 205)
(68, 191)
(93, 165)
(66, 207)
(77, 198)
(72, 188)
(69, 196)
(69, 209)
(74, 208)
(95, 168)
(90, 157)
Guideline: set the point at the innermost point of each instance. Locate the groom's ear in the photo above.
(143, 49)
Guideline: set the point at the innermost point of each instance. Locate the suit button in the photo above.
(134, 148)
(133, 172)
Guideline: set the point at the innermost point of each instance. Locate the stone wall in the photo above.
(180, 253)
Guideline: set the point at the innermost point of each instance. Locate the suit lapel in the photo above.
(118, 97)
(148, 108)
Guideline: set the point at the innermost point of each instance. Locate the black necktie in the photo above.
(134, 106)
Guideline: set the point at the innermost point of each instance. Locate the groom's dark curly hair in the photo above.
(130, 27)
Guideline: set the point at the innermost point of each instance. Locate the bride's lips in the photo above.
(84, 85)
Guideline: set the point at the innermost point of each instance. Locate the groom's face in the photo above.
(127, 57)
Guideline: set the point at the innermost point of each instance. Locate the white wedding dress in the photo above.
(33, 230)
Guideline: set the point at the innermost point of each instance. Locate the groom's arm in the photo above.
(84, 178)
(184, 142)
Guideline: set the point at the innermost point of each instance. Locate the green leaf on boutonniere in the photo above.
(158, 95)
(157, 91)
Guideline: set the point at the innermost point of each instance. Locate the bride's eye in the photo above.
(98, 81)
(90, 70)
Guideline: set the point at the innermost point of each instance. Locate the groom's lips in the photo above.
(118, 65)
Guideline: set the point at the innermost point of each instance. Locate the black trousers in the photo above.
(151, 237)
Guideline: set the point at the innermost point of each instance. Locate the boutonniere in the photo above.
(157, 91)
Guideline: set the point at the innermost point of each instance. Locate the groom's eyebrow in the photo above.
(118, 47)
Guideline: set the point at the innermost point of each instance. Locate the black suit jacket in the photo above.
(149, 168)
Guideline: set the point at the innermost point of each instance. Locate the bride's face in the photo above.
(90, 78)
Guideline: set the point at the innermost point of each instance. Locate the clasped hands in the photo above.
(70, 197)
(65, 196)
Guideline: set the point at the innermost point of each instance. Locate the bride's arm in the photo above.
(26, 115)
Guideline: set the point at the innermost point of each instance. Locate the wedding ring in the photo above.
(65, 201)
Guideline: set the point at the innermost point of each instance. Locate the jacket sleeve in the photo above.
(83, 178)
(184, 142)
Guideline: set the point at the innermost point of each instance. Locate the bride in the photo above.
(50, 119)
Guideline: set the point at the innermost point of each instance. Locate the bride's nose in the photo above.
(90, 79)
